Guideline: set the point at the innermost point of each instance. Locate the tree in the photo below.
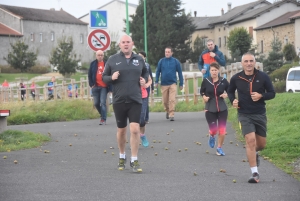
(275, 57)
(114, 48)
(167, 25)
(197, 50)
(239, 39)
(63, 58)
(20, 57)
(289, 52)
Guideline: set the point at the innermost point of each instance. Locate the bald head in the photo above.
(126, 45)
(100, 55)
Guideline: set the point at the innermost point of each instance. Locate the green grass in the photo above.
(11, 77)
(12, 140)
(283, 139)
(50, 111)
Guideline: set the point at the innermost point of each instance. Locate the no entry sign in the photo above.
(99, 40)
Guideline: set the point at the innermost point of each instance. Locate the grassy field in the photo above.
(11, 77)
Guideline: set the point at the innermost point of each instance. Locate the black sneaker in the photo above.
(171, 118)
(167, 115)
(254, 178)
(121, 164)
(135, 166)
(257, 159)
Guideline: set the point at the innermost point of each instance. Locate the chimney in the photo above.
(229, 6)
(53, 9)
(195, 13)
(222, 12)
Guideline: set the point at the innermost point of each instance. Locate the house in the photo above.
(116, 16)
(41, 30)
(282, 27)
(249, 16)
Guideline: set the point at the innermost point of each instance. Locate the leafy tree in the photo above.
(63, 58)
(20, 57)
(197, 50)
(289, 52)
(167, 25)
(239, 39)
(114, 48)
(275, 57)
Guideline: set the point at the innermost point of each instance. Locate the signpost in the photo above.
(99, 40)
(98, 19)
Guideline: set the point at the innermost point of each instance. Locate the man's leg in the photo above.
(121, 139)
(260, 142)
(96, 98)
(251, 148)
(172, 99)
(134, 138)
(103, 96)
(165, 97)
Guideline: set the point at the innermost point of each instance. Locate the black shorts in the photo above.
(253, 123)
(124, 111)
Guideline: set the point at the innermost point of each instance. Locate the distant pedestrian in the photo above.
(253, 87)
(167, 68)
(23, 91)
(211, 54)
(213, 91)
(127, 72)
(32, 89)
(5, 84)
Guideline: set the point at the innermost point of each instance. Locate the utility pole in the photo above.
(145, 28)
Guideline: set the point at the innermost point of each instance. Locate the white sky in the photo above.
(79, 8)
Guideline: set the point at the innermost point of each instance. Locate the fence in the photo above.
(191, 92)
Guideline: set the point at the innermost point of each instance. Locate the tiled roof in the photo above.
(203, 22)
(239, 10)
(33, 14)
(257, 12)
(6, 31)
(283, 19)
(296, 16)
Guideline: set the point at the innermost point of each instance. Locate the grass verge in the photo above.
(12, 140)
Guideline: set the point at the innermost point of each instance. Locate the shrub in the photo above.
(39, 69)
(9, 69)
(279, 86)
(280, 73)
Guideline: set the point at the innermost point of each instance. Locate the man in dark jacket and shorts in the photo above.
(127, 72)
(254, 87)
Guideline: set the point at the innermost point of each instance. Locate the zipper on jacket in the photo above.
(250, 82)
(217, 102)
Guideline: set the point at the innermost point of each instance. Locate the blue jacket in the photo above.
(205, 60)
(92, 74)
(167, 67)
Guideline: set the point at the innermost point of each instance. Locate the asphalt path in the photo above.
(83, 172)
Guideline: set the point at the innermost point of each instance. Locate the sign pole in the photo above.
(127, 22)
(145, 28)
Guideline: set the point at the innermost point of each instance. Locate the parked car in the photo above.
(293, 80)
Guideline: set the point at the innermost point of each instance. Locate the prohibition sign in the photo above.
(99, 40)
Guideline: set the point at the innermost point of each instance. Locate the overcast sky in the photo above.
(79, 8)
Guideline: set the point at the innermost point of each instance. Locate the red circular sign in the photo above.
(99, 40)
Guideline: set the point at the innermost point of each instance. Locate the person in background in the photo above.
(167, 68)
(5, 84)
(213, 91)
(23, 91)
(32, 89)
(69, 90)
(211, 54)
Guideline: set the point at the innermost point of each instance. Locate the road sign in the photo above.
(99, 40)
(98, 19)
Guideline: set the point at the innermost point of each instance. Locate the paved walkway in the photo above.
(83, 172)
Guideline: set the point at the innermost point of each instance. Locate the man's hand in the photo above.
(181, 87)
(115, 76)
(256, 96)
(203, 71)
(142, 82)
(235, 103)
(205, 98)
(212, 54)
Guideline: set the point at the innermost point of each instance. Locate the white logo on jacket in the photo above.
(135, 62)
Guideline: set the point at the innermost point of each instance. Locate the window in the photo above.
(32, 37)
(261, 46)
(297, 75)
(220, 42)
(41, 37)
(52, 36)
(225, 41)
(81, 38)
(286, 40)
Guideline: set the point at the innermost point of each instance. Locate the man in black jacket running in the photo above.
(127, 72)
(254, 87)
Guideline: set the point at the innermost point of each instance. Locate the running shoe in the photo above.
(220, 152)
(135, 166)
(254, 178)
(211, 141)
(257, 159)
(121, 164)
(171, 118)
(167, 115)
(102, 122)
(145, 142)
